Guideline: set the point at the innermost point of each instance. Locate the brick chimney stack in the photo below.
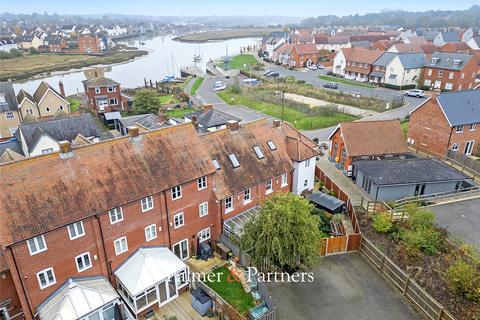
(65, 149)
(233, 125)
(133, 131)
(62, 90)
(276, 123)
(207, 107)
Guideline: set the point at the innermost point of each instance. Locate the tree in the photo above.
(283, 235)
(146, 101)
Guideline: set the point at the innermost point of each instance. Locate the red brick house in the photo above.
(450, 121)
(57, 44)
(359, 63)
(104, 95)
(89, 43)
(361, 140)
(105, 208)
(303, 55)
(451, 71)
(460, 47)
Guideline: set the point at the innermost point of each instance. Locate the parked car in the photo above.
(415, 93)
(273, 74)
(356, 95)
(331, 85)
(219, 85)
(320, 66)
(268, 72)
(312, 67)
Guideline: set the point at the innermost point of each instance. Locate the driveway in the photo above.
(346, 287)
(461, 218)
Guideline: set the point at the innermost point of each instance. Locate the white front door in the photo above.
(167, 290)
(437, 84)
(181, 249)
(469, 147)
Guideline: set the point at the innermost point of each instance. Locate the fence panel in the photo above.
(354, 242)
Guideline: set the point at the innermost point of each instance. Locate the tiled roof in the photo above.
(456, 46)
(211, 118)
(307, 48)
(461, 107)
(450, 36)
(80, 186)
(446, 60)
(42, 90)
(365, 138)
(99, 82)
(252, 170)
(22, 94)
(363, 55)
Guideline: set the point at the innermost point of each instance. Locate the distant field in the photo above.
(27, 66)
(225, 34)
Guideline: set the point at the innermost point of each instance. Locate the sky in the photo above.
(297, 8)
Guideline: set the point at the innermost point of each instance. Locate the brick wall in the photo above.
(91, 94)
(461, 80)
(8, 293)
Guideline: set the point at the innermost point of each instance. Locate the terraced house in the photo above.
(44, 102)
(98, 217)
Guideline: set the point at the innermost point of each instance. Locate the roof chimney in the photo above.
(233, 125)
(65, 149)
(207, 107)
(276, 123)
(134, 132)
(62, 90)
(435, 94)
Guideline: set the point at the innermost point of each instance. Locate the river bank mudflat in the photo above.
(225, 34)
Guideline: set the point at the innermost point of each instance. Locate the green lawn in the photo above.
(196, 85)
(179, 113)
(242, 61)
(232, 292)
(404, 125)
(299, 119)
(74, 104)
(167, 99)
(346, 81)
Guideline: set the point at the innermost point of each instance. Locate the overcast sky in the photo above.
(300, 8)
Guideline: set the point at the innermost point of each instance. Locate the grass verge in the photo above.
(74, 104)
(232, 292)
(242, 62)
(299, 119)
(346, 81)
(179, 113)
(196, 85)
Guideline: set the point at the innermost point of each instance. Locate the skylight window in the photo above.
(234, 160)
(216, 164)
(258, 152)
(271, 145)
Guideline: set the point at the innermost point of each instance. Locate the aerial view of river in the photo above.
(166, 57)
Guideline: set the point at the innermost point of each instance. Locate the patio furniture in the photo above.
(201, 301)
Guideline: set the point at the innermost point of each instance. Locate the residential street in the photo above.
(206, 95)
(345, 287)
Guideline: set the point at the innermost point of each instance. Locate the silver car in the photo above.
(415, 93)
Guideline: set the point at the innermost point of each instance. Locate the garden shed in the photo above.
(326, 202)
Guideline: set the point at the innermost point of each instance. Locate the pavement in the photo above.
(346, 287)
(462, 219)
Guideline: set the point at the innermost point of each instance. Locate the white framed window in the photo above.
(271, 145)
(176, 192)
(448, 86)
(440, 73)
(234, 160)
(111, 88)
(113, 101)
(46, 278)
(147, 203)
(284, 180)
(9, 115)
(29, 111)
(47, 109)
(36, 245)
(202, 183)
(450, 75)
(427, 82)
(83, 262)
(76, 230)
(2, 98)
(473, 126)
(459, 129)
(305, 182)
(269, 186)
(216, 164)
(182, 278)
(258, 152)
(61, 107)
(181, 249)
(247, 196)
(430, 72)
(178, 220)
(228, 204)
(151, 232)
(97, 90)
(46, 151)
(307, 163)
(116, 215)
(204, 235)
(455, 146)
(203, 209)
(121, 245)
(469, 147)
(462, 76)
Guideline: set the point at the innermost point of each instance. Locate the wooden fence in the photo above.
(409, 288)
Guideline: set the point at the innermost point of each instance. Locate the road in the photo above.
(205, 95)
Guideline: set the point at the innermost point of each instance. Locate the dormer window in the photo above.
(456, 63)
(258, 152)
(271, 145)
(216, 164)
(2, 98)
(435, 60)
(234, 160)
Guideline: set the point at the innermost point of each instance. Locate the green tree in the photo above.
(283, 235)
(146, 101)
(33, 51)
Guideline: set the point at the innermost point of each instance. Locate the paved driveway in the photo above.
(346, 287)
(461, 219)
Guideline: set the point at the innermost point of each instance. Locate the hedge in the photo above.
(395, 87)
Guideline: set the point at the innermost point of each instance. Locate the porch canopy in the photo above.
(114, 115)
(234, 226)
(147, 267)
(325, 202)
(78, 298)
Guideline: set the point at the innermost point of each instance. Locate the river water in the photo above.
(166, 57)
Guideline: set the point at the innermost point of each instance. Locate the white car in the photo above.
(219, 86)
(415, 93)
(312, 67)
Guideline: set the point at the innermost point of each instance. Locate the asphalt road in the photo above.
(345, 287)
(461, 218)
(205, 94)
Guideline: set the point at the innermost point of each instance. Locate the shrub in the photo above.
(464, 279)
(382, 223)
(33, 51)
(420, 240)
(422, 219)
(332, 193)
(337, 217)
